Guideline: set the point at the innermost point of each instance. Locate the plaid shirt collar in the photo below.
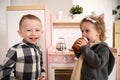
(32, 45)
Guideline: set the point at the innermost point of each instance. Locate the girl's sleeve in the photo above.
(7, 67)
(96, 59)
(77, 53)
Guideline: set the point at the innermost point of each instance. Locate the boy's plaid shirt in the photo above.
(24, 62)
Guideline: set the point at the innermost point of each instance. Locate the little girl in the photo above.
(98, 60)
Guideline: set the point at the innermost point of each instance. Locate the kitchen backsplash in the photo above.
(69, 35)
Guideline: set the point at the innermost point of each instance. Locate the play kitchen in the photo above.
(61, 61)
(61, 45)
(61, 58)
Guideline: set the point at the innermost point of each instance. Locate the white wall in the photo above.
(26, 2)
(59, 5)
(3, 37)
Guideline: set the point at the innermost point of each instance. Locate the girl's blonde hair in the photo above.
(99, 25)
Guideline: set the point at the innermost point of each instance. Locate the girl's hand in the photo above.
(42, 78)
(79, 43)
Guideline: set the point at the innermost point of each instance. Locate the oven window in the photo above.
(63, 74)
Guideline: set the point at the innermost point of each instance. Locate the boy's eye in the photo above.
(87, 30)
(28, 30)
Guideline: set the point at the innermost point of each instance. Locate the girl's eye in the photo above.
(37, 30)
(85, 31)
(82, 31)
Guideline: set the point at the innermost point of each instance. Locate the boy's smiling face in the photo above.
(31, 30)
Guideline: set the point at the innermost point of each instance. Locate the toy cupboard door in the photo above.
(117, 35)
(117, 43)
(14, 14)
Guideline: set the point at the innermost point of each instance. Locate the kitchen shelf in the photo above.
(61, 53)
(66, 23)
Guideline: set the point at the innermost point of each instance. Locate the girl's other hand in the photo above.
(42, 78)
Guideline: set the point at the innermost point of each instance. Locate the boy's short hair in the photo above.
(28, 16)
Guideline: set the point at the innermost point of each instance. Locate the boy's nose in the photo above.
(33, 32)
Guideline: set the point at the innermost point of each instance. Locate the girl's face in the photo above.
(31, 30)
(89, 31)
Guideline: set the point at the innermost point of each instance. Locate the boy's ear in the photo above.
(102, 16)
(19, 32)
